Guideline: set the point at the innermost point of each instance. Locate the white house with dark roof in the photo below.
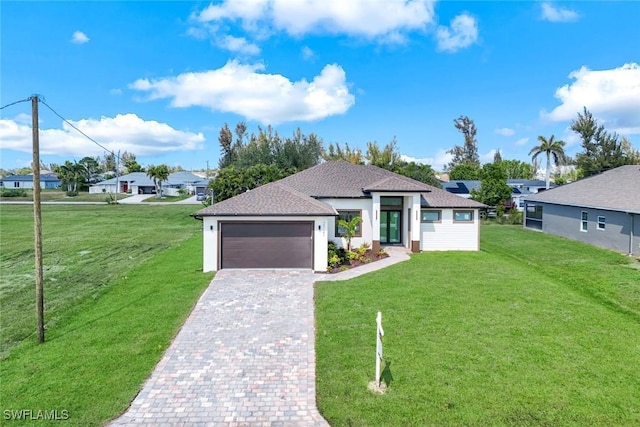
(603, 210)
(288, 223)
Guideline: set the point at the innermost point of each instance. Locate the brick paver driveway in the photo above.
(245, 357)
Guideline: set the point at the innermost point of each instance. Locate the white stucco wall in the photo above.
(448, 235)
(210, 238)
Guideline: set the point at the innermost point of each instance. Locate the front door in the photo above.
(390, 227)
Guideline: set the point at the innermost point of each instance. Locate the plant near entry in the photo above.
(351, 229)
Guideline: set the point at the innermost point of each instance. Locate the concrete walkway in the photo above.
(245, 356)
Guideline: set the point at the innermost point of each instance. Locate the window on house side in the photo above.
(348, 216)
(601, 223)
(462, 216)
(584, 221)
(431, 216)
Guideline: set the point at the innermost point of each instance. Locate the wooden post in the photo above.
(379, 335)
(37, 220)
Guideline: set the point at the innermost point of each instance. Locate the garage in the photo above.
(266, 244)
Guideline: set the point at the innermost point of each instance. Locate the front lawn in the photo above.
(531, 330)
(57, 195)
(126, 279)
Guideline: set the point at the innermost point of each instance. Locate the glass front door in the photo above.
(390, 227)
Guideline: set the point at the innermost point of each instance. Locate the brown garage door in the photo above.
(266, 244)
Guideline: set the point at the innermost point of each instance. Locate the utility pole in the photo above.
(37, 220)
(117, 177)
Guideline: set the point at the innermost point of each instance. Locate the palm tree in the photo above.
(553, 149)
(158, 174)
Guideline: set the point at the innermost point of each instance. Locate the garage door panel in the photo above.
(267, 245)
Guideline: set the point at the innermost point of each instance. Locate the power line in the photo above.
(14, 103)
(84, 134)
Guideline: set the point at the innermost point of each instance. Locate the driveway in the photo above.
(244, 357)
(136, 198)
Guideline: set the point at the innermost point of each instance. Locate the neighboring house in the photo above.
(603, 210)
(47, 181)
(140, 183)
(288, 223)
(521, 189)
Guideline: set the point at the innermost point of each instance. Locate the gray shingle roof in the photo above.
(301, 193)
(617, 189)
(269, 199)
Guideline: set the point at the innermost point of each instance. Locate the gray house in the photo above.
(47, 181)
(603, 210)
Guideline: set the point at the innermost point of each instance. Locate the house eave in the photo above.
(576, 205)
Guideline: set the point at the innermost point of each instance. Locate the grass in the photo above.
(103, 345)
(166, 199)
(86, 248)
(61, 196)
(531, 330)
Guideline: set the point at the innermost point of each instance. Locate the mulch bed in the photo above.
(369, 257)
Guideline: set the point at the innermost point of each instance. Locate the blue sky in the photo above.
(159, 79)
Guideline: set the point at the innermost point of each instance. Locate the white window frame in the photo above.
(584, 221)
(602, 222)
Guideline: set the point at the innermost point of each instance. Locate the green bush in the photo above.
(14, 192)
(72, 193)
(336, 255)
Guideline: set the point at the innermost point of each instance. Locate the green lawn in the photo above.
(531, 330)
(57, 195)
(120, 281)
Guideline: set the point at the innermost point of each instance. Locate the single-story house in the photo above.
(603, 210)
(140, 183)
(288, 223)
(522, 188)
(47, 181)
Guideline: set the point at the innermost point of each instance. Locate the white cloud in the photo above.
(504, 131)
(613, 96)
(384, 21)
(245, 90)
(487, 157)
(122, 132)
(79, 38)
(238, 45)
(463, 32)
(307, 53)
(438, 162)
(557, 14)
(522, 141)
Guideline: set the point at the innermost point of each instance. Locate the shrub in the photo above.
(14, 192)
(515, 217)
(335, 255)
(72, 193)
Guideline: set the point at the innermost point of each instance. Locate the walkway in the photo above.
(245, 357)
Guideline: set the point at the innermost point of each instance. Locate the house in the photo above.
(288, 223)
(603, 210)
(522, 188)
(47, 181)
(140, 183)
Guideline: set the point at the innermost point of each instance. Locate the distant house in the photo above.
(140, 183)
(603, 210)
(522, 188)
(47, 181)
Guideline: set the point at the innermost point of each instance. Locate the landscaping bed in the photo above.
(341, 259)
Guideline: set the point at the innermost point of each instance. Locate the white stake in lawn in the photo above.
(379, 335)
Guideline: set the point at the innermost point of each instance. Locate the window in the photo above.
(16, 184)
(533, 216)
(431, 216)
(391, 201)
(462, 216)
(348, 216)
(584, 224)
(601, 223)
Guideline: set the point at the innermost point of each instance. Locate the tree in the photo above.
(516, 169)
(231, 181)
(497, 157)
(601, 150)
(91, 169)
(70, 174)
(350, 229)
(465, 172)
(158, 174)
(553, 150)
(130, 163)
(493, 190)
(632, 155)
(348, 154)
(386, 157)
(419, 172)
(467, 153)
(109, 162)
